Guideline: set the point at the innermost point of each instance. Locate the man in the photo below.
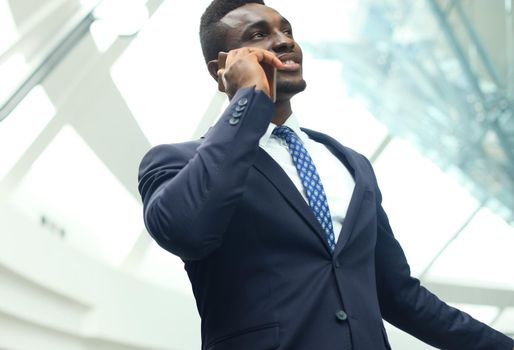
(281, 229)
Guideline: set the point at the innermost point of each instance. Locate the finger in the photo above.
(261, 54)
(268, 57)
(222, 83)
(234, 54)
(273, 60)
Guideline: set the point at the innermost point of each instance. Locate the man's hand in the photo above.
(243, 68)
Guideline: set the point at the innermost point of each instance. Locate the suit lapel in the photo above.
(276, 175)
(358, 192)
(350, 218)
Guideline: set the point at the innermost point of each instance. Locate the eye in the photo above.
(288, 32)
(258, 35)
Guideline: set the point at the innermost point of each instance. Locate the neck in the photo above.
(282, 112)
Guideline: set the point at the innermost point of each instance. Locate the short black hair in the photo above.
(212, 32)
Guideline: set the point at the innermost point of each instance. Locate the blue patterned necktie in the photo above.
(310, 181)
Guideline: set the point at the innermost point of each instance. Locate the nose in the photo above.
(282, 42)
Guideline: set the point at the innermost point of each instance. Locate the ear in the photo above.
(212, 66)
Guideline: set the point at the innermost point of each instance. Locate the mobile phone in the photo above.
(269, 70)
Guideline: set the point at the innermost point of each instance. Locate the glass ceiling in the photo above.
(442, 87)
(408, 204)
(63, 187)
(151, 70)
(422, 88)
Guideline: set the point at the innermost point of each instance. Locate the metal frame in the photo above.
(79, 28)
(489, 103)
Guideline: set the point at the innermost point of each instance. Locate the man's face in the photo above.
(260, 26)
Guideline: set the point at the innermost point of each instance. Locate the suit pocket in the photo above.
(264, 337)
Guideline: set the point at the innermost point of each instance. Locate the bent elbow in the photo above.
(180, 236)
(187, 249)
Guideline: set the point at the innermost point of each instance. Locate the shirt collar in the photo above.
(291, 122)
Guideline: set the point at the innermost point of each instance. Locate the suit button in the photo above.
(237, 114)
(240, 108)
(337, 264)
(341, 315)
(234, 120)
(243, 101)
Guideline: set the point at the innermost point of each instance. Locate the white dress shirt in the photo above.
(336, 179)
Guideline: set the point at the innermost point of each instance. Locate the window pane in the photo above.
(72, 193)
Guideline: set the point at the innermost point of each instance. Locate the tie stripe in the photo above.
(310, 180)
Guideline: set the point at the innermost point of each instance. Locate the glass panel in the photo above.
(8, 30)
(125, 17)
(505, 322)
(103, 34)
(481, 255)
(163, 78)
(425, 206)
(404, 341)
(337, 22)
(23, 125)
(446, 90)
(164, 268)
(29, 32)
(484, 313)
(348, 119)
(11, 71)
(71, 192)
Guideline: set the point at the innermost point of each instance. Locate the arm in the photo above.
(188, 202)
(412, 308)
(189, 195)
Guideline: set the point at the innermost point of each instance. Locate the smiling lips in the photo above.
(290, 65)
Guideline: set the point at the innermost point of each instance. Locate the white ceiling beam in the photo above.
(461, 294)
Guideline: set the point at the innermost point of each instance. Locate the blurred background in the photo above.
(424, 88)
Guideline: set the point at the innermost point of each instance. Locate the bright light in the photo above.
(77, 193)
(348, 120)
(425, 205)
(327, 20)
(164, 268)
(505, 322)
(125, 17)
(163, 77)
(8, 30)
(12, 71)
(103, 34)
(23, 125)
(492, 239)
(483, 313)
(89, 4)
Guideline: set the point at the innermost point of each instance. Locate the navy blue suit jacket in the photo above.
(260, 268)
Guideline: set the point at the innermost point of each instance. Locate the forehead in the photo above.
(251, 13)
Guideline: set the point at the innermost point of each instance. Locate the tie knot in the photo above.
(284, 132)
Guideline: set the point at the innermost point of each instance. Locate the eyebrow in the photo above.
(284, 21)
(264, 24)
(255, 25)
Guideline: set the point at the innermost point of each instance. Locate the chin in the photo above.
(291, 87)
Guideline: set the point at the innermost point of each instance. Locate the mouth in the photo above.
(291, 63)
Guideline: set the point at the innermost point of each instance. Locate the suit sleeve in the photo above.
(412, 308)
(189, 195)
